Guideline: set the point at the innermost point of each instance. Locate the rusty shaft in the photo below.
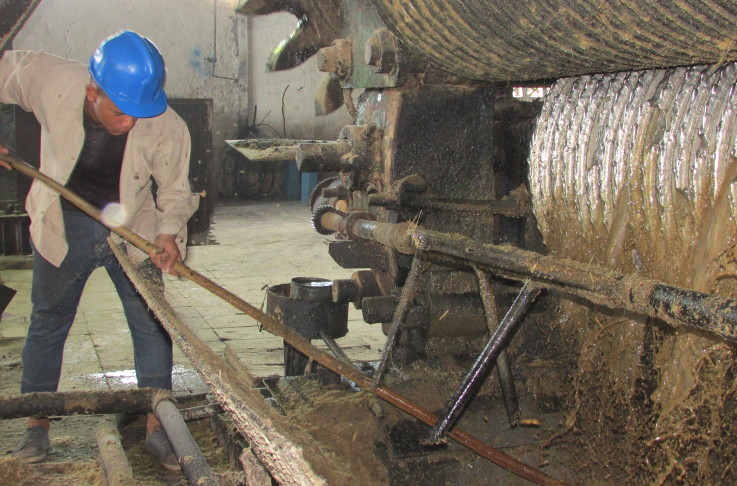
(45, 404)
(597, 284)
(298, 342)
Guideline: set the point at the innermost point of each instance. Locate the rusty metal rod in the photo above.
(494, 346)
(125, 233)
(513, 208)
(411, 285)
(275, 327)
(44, 404)
(509, 392)
(597, 284)
(201, 411)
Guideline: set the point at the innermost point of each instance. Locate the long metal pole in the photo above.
(597, 284)
(275, 327)
(44, 404)
(495, 345)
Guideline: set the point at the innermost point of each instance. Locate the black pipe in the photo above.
(509, 391)
(475, 377)
(694, 308)
(193, 464)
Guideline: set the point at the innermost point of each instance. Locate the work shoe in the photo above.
(158, 443)
(34, 445)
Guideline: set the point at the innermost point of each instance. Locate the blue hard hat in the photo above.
(130, 70)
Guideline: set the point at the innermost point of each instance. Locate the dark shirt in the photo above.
(96, 176)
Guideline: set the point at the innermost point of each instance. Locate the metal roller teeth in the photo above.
(317, 215)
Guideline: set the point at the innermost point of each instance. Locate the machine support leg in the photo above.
(193, 464)
(497, 342)
(509, 392)
(411, 285)
(335, 348)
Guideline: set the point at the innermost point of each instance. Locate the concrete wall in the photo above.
(210, 52)
(190, 34)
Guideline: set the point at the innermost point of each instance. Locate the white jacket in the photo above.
(54, 90)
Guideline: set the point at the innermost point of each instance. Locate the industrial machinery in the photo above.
(581, 244)
(602, 216)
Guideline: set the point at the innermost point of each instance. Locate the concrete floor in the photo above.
(253, 245)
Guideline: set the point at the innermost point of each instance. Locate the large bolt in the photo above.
(380, 51)
(345, 290)
(361, 284)
(336, 58)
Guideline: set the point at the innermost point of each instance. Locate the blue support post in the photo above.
(309, 181)
(291, 182)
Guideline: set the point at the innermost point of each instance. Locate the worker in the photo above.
(107, 134)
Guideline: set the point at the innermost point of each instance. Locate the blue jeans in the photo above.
(55, 296)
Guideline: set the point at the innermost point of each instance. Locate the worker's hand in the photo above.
(4, 150)
(169, 254)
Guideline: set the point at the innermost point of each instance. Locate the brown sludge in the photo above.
(643, 175)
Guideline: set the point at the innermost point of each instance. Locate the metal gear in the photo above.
(317, 215)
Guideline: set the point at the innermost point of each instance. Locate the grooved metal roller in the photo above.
(532, 40)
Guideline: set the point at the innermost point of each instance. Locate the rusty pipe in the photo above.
(358, 225)
(44, 404)
(201, 412)
(301, 344)
(597, 284)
